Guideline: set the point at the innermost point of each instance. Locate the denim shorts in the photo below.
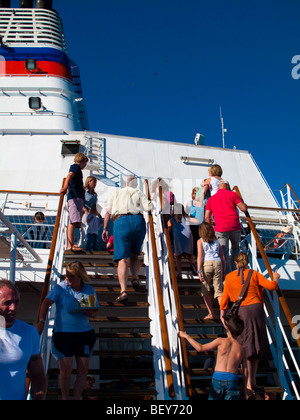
(129, 234)
(222, 390)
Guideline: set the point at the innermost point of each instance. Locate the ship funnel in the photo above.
(5, 4)
(44, 4)
(26, 4)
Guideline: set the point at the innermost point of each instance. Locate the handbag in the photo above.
(233, 307)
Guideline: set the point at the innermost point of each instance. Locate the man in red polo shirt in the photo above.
(223, 206)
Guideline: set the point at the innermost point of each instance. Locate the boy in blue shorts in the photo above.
(230, 355)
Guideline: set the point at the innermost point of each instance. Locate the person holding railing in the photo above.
(223, 207)
(76, 302)
(254, 339)
(126, 206)
(76, 196)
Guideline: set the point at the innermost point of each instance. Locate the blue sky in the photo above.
(161, 69)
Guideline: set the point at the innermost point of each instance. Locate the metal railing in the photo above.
(16, 236)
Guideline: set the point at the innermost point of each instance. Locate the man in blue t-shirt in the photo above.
(19, 350)
(76, 195)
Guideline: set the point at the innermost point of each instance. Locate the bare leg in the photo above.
(179, 266)
(208, 303)
(135, 266)
(123, 266)
(83, 364)
(71, 236)
(65, 367)
(249, 375)
(252, 364)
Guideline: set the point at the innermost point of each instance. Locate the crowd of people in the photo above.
(210, 221)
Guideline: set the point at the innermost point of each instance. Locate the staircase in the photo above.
(201, 365)
(122, 362)
(125, 364)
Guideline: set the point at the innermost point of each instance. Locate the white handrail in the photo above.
(170, 312)
(55, 278)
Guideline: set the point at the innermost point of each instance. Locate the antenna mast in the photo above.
(224, 130)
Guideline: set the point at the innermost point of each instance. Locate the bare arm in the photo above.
(43, 315)
(243, 207)
(38, 378)
(200, 259)
(66, 183)
(200, 347)
(105, 227)
(208, 216)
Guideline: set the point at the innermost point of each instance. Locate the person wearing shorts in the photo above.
(126, 206)
(76, 196)
(73, 335)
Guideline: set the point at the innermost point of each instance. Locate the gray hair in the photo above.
(131, 181)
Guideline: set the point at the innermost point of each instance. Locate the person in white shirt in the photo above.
(126, 206)
(19, 350)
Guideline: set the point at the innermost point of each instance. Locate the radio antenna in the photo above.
(224, 130)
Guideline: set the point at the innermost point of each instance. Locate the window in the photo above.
(35, 103)
(31, 64)
(70, 147)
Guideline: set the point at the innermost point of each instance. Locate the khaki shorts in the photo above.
(213, 274)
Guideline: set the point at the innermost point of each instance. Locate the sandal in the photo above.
(122, 298)
(135, 284)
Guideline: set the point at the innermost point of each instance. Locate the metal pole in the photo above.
(13, 256)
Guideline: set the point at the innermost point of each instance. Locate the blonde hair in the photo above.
(80, 157)
(78, 268)
(242, 260)
(88, 180)
(215, 170)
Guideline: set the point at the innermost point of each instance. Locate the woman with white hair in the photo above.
(126, 206)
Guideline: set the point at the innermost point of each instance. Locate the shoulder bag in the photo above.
(233, 307)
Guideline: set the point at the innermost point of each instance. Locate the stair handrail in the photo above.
(162, 317)
(46, 285)
(45, 339)
(281, 298)
(185, 363)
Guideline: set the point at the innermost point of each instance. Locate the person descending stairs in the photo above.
(122, 359)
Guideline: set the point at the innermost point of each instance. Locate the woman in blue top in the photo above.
(91, 199)
(76, 302)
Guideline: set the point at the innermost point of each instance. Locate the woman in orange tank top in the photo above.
(254, 339)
